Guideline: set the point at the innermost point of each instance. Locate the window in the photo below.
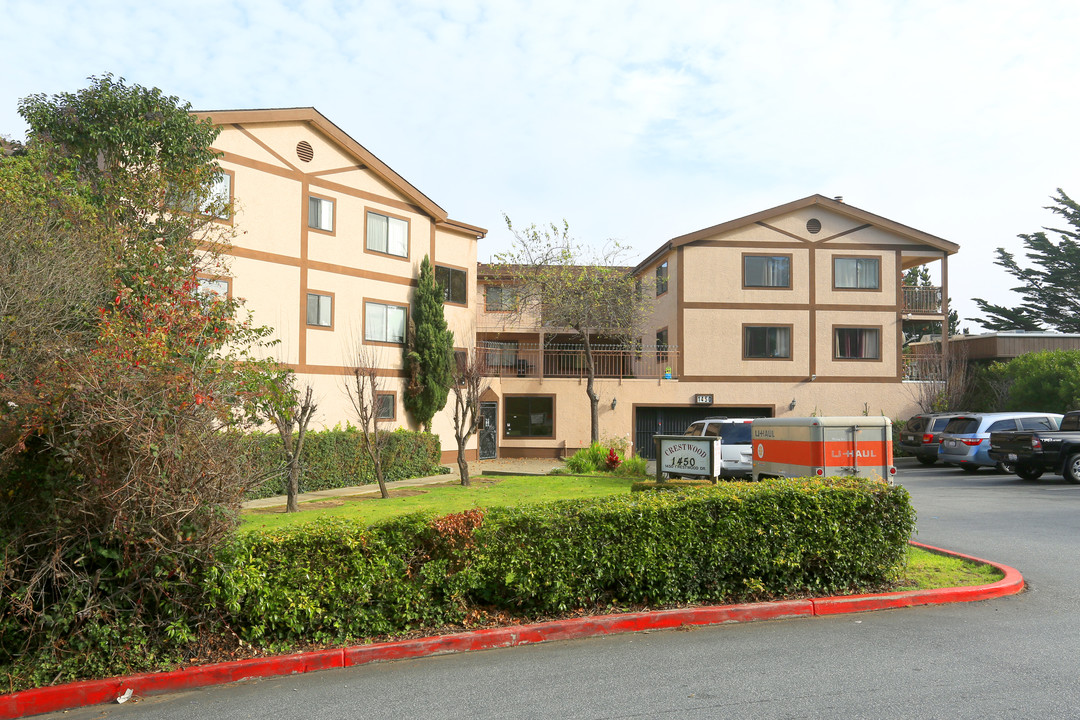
(661, 345)
(857, 273)
(454, 283)
(320, 213)
(387, 234)
(1037, 423)
(767, 271)
(530, 416)
(384, 323)
(320, 310)
(385, 406)
(858, 344)
(213, 286)
(217, 200)
(661, 278)
(766, 342)
(499, 298)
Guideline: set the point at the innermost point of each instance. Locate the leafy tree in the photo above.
(1050, 284)
(569, 288)
(429, 356)
(1047, 381)
(121, 386)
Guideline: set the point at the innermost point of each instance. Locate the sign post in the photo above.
(687, 455)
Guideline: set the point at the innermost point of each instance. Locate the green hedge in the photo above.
(336, 458)
(738, 541)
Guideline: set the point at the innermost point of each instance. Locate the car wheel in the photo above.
(1008, 468)
(968, 467)
(927, 460)
(1029, 472)
(1072, 468)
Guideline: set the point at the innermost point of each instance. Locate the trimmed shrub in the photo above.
(335, 458)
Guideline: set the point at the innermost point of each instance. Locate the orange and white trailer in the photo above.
(822, 446)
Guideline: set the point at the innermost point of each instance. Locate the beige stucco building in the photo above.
(795, 310)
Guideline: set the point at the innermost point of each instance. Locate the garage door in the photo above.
(652, 421)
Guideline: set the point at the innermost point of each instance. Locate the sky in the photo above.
(632, 121)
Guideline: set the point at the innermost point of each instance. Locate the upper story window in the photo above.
(661, 278)
(499, 298)
(213, 286)
(218, 199)
(386, 234)
(857, 344)
(857, 273)
(321, 213)
(384, 323)
(320, 310)
(454, 284)
(767, 271)
(767, 341)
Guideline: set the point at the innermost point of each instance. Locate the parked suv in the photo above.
(735, 449)
(966, 438)
(922, 433)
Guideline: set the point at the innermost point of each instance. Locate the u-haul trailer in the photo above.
(823, 446)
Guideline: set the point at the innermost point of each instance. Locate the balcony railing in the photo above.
(925, 299)
(923, 367)
(568, 361)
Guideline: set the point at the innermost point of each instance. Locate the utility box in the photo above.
(823, 446)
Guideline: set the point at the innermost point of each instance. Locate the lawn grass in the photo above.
(446, 498)
(928, 570)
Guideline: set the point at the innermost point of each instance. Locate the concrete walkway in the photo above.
(502, 466)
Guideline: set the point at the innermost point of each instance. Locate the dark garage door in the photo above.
(674, 421)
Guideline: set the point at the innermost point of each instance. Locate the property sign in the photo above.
(683, 455)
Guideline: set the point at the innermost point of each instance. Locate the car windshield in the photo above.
(737, 433)
(962, 426)
(1070, 422)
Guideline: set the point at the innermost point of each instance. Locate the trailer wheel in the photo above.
(1072, 468)
(1029, 472)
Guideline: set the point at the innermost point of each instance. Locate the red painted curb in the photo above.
(95, 692)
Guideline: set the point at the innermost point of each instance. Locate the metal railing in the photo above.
(925, 299)
(568, 361)
(923, 367)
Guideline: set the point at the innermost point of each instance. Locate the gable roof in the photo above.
(837, 206)
(363, 156)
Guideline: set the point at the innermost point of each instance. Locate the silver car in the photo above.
(735, 449)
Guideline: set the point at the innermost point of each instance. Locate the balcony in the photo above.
(925, 300)
(568, 361)
(924, 367)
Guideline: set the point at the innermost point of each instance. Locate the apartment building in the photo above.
(327, 250)
(795, 310)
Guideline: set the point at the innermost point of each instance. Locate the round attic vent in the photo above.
(304, 151)
(813, 226)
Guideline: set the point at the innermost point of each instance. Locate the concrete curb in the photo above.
(94, 692)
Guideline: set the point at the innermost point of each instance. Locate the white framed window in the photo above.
(321, 213)
(320, 310)
(384, 323)
(213, 286)
(855, 273)
(387, 234)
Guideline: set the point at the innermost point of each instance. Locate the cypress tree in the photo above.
(429, 353)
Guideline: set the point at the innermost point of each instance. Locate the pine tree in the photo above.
(429, 354)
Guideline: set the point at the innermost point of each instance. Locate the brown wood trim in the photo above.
(791, 271)
(336, 171)
(788, 307)
(333, 309)
(371, 197)
(408, 235)
(899, 315)
(362, 274)
(251, 136)
(842, 234)
(840, 256)
(456, 226)
(554, 417)
(786, 379)
(763, 246)
(791, 341)
(343, 370)
(881, 340)
(332, 232)
(783, 232)
(301, 350)
(262, 256)
(431, 242)
(363, 321)
(680, 310)
(812, 349)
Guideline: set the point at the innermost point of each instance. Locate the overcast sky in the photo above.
(631, 120)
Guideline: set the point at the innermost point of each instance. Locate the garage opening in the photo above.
(650, 421)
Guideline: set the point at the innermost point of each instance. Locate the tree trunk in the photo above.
(293, 488)
(382, 482)
(463, 465)
(590, 390)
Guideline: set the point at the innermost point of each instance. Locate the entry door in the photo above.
(489, 430)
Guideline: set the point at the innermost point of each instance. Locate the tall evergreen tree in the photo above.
(1050, 285)
(429, 354)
